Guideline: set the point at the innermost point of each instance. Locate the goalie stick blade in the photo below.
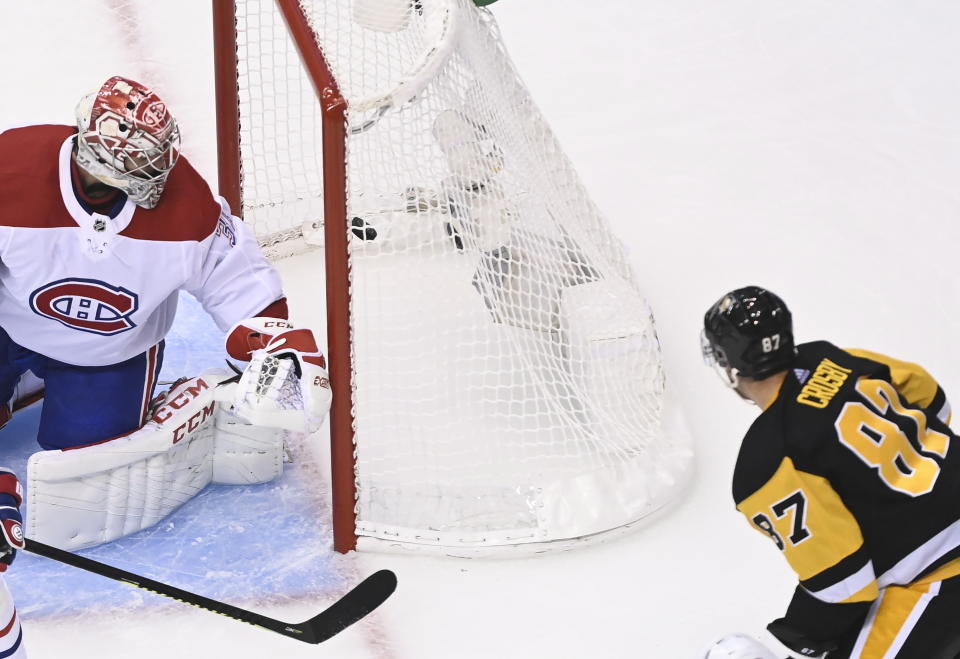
(352, 607)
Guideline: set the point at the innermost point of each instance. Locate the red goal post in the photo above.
(496, 372)
(335, 211)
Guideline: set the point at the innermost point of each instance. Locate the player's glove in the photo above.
(799, 642)
(11, 523)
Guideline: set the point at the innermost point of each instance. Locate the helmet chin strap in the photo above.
(731, 378)
(729, 375)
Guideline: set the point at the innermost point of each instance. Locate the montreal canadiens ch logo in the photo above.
(87, 305)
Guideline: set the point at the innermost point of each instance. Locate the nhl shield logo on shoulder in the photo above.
(87, 305)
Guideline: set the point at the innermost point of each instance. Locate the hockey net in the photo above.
(502, 384)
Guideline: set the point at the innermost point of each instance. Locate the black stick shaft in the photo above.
(158, 587)
(350, 608)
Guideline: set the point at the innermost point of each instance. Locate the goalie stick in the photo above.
(356, 604)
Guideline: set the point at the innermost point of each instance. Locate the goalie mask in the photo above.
(748, 332)
(127, 139)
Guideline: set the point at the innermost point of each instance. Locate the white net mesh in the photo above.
(280, 134)
(507, 377)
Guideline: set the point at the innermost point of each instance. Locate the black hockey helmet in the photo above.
(750, 332)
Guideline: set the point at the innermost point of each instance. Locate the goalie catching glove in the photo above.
(285, 385)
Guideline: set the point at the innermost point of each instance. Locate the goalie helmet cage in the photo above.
(496, 372)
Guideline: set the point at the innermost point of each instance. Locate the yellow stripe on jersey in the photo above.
(913, 382)
(807, 520)
(942, 573)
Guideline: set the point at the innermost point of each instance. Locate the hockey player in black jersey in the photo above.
(854, 475)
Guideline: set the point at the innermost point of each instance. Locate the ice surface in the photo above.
(812, 147)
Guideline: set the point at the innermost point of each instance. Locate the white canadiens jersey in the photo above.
(91, 290)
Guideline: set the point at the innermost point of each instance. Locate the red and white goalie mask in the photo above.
(127, 139)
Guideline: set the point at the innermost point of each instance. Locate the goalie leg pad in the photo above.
(97, 493)
(91, 495)
(244, 454)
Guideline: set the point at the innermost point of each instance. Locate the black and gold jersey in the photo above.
(854, 474)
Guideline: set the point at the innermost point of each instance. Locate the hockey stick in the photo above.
(364, 598)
